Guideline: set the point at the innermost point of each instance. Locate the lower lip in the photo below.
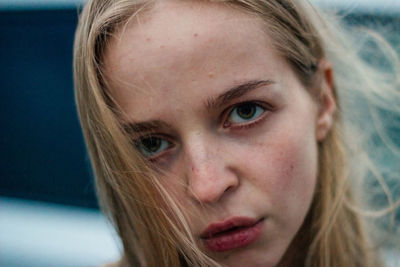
(236, 239)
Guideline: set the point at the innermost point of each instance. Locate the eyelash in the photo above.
(251, 122)
(226, 124)
(138, 142)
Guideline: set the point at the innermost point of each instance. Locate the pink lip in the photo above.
(233, 233)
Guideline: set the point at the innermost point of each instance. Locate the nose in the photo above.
(209, 173)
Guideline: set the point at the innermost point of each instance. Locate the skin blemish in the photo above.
(148, 39)
(211, 75)
(195, 35)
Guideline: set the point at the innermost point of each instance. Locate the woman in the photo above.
(215, 131)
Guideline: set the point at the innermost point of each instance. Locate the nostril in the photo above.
(230, 188)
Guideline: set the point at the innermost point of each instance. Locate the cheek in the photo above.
(287, 170)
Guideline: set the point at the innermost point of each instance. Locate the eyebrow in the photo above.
(235, 92)
(148, 126)
(211, 103)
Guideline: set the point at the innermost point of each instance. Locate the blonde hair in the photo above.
(334, 232)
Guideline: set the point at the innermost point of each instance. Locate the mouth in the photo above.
(237, 232)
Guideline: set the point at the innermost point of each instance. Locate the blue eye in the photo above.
(152, 146)
(245, 112)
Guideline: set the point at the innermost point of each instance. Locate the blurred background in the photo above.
(48, 210)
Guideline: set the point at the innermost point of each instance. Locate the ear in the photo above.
(326, 101)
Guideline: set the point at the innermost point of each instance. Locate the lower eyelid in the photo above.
(265, 108)
(138, 143)
(249, 124)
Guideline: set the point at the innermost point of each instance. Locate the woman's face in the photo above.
(223, 115)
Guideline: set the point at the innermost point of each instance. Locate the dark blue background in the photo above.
(42, 151)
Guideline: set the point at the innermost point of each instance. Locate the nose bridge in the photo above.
(209, 175)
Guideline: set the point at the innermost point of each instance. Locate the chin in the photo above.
(249, 258)
(248, 262)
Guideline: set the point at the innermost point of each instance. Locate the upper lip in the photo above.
(218, 227)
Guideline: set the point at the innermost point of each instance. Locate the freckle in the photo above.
(211, 75)
(196, 34)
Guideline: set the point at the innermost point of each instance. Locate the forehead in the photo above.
(177, 24)
(179, 45)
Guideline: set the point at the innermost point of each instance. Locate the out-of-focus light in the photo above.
(36, 233)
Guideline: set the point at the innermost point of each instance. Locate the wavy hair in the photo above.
(335, 232)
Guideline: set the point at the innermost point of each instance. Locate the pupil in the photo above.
(246, 111)
(151, 144)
